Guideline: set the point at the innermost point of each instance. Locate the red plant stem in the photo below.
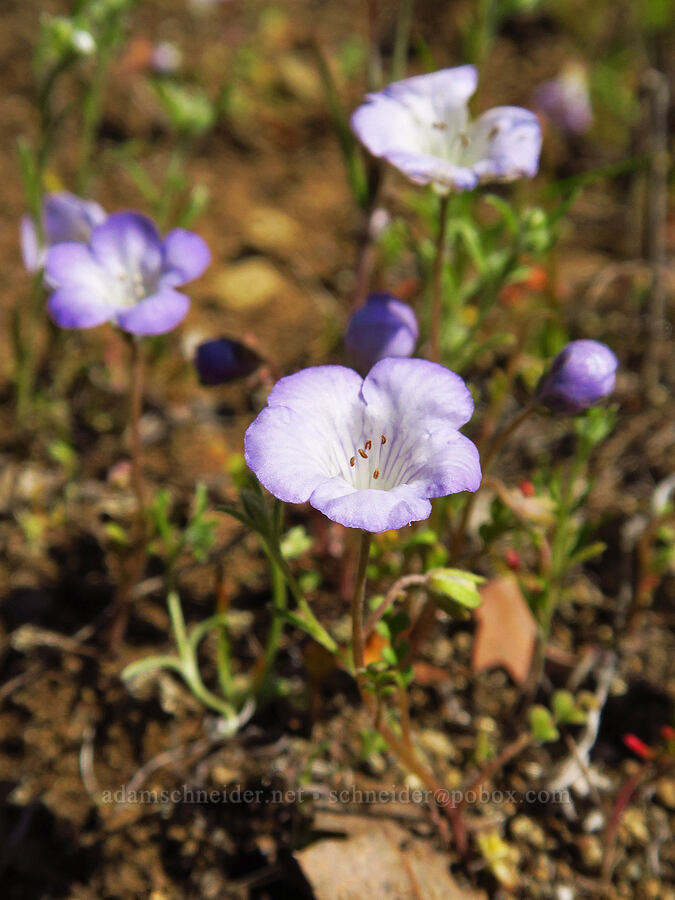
(507, 754)
(400, 746)
(437, 282)
(620, 804)
(399, 587)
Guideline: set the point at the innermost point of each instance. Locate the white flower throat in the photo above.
(372, 465)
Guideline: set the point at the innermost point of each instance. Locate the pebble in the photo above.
(249, 284)
(271, 230)
(590, 848)
(665, 791)
(634, 822)
(594, 821)
(528, 830)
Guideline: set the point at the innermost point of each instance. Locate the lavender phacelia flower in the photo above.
(222, 360)
(582, 374)
(565, 100)
(383, 327)
(126, 274)
(421, 125)
(367, 452)
(65, 217)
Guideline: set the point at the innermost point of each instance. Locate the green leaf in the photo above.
(296, 542)
(565, 710)
(389, 655)
(542, 725)
(457, 585)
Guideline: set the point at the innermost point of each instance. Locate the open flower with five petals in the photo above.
(127, 274)
(421, 126)
(367, 452)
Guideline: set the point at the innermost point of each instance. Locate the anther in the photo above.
(376, 473)
(363, 453)
(352, 461)
(383, 439)
(368, 445)
(464, 140)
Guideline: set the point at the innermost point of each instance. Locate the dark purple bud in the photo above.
(582, 373)
(383, 327)
(223, 360)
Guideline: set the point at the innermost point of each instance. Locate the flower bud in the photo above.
(383, 327)
(222, 360)
(565, 100)
(583, 373)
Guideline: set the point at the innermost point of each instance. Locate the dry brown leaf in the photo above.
(384, 861)
(506, 630)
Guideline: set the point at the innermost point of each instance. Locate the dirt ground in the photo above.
(71, 732)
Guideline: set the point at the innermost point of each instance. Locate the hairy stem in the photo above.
(437, 282)
(358, 640)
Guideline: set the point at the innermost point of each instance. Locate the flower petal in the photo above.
(410, 391)
(383, 327)
(75, 306)
(418, 123)
(276, 449)
(32, 253)
(371, 510)
(70, 218)
(504, 143)
(156, 314)
(186, 256)
(72, 264)
(128, 243)
(422, 168)
(455, 85)
(447, 463)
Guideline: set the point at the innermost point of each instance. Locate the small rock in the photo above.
(527, 829)
(271, 230)
(438, 743)
(300, 78)
(590, 848)
(634, 823)
(665, 791)
(249, 284)
(594, 821)
(564, 892)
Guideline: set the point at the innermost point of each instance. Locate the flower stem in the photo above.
(358, 641)
(279, 602)
(401, 746)
(136, 409)
(490, 454)
(437, 281)
(135, 563)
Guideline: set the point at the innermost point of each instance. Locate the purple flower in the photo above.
(126, 274)
(565, 100)
(583, 373)
(367, 452)
(65, 217)
(421, 125)
(222, 360)
(383, 327)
